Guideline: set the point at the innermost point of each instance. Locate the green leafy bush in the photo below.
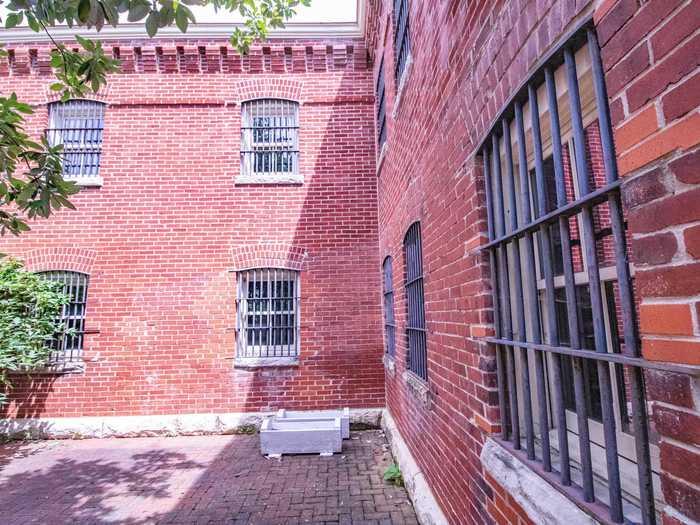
(393, 475)
(29, 319)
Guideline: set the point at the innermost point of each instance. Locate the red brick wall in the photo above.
(168, 226)
(651, 51)
(468, 59)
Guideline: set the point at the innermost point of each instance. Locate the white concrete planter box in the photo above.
(343, 414)
(300, 436)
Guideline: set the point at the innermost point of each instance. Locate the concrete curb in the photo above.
(156, 425)
(424, 503)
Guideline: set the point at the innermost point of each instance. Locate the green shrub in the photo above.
(29, 319)
(393, 475)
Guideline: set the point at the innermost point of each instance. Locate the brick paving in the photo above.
(196, 480)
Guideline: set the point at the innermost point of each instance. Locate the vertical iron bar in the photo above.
(532, 296)
(519, 332)
(590, 256)
(639, 416)
(570, 289)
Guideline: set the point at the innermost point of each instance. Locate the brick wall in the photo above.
(161, 237)
(468, 58)
(651, 52)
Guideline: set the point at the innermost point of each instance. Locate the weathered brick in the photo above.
(644, 188)
(675, 30)
(681, 496)
(691, 236)
(675, 460)
(683, 98)
(670, 211)
(668, 387)
(666, 319)
(681, 425)
(637, 128)
(687, 168)
(672, 350)
(628, 69)
(674, 67)
(614, 19)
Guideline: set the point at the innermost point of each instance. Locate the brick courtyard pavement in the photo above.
(196, 480)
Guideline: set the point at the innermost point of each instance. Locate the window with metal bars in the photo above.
(68, 347)
(402, 44)
(268, 313)
(570, 372)
(78, 126)
(417, 357)
(389, 322)
(270, 138)
(381, 108)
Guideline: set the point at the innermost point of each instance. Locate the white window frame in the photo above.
(263, 352)
(62, 131)
(284, 125)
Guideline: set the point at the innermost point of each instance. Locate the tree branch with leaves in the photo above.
(31, 172)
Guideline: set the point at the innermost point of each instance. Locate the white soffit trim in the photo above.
(208, 30)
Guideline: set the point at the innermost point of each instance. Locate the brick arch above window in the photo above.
(284, 88)
(55, 96)
(79, 260)
(270, 255)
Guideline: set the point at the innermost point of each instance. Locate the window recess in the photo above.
(68, 348)
(570, 372)
(267, 308)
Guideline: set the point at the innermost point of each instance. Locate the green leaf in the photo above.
(181, 19)
(13, 20)
(137, 10)
(152, 24)
(56, 86)
(84, 10)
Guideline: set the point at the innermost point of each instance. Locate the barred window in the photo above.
(78, 126)
(69, 347)
(389, 322)
(570, 372)
(402, 44)
(270, 138)
(413, 283)
(381, 108)
(268, 313)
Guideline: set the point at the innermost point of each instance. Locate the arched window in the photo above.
(413, 283)
(69, 347)
(389, 322)
(270, 138)
(78, 126)
(268, 313)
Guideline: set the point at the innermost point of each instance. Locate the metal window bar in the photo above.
(381, 107)
(77, 125)
(524, 317)
(270, 137)
(402, 44)
(417, 356)
(68, 347)
(267, 307)
(389, 321)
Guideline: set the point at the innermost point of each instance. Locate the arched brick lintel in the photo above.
(270, 255)
(286, 88)
(71, 259)
(55, 96)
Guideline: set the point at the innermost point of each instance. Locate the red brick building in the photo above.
(515, 184)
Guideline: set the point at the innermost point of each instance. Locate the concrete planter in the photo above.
(300, 436)
(343, 414)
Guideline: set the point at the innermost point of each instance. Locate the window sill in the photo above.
(403, 81)
(70, 367)
(269, 179)
(419, 388)
(389, 365)
(382, 156)
(265, 362)
(86, 182)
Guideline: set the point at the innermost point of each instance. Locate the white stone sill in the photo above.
(268, 179)
(265, 362)
(87, 182)
(403, 81)
(71, 367)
